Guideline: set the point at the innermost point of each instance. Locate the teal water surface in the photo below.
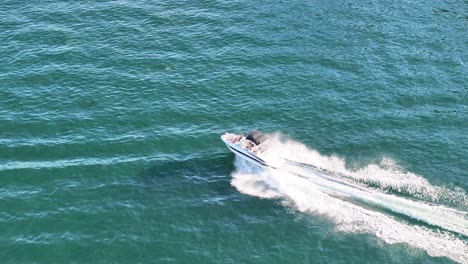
(111, 112)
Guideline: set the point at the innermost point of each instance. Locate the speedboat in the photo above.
(252, 148)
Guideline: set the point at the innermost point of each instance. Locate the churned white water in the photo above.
(322, 185)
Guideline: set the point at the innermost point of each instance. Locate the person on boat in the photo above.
(234, 138)
(251, 146)
(238, 138)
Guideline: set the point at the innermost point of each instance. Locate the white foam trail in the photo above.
(386, 176)
(63, 163)
(437, 215)
(308, 191)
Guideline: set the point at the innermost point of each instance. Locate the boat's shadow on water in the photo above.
(220, 164)
(214, 171)
(205, 178)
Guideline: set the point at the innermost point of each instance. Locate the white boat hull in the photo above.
(244, 153)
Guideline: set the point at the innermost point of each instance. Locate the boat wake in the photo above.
(380, 199)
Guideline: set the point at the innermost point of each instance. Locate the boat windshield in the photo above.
(257, 137)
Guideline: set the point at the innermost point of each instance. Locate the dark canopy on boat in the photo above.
(257, 137)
